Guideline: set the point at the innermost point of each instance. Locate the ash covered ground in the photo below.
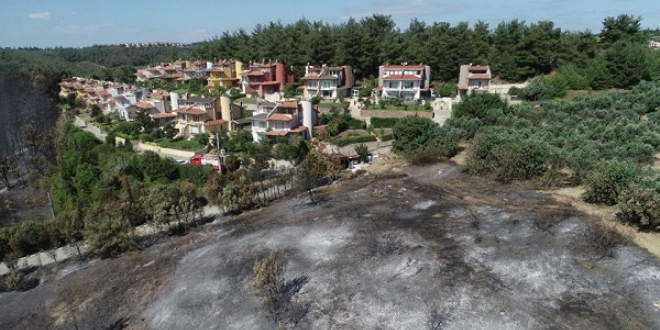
(396, 250)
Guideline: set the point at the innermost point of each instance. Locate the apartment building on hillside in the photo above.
(266, 77)
(409, 82)
(327, 82)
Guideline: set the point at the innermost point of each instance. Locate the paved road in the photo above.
(80, 123)
(441, 110)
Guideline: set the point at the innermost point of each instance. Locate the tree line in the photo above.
(617, 56)
(101, 62)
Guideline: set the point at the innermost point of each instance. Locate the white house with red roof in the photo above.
(474, 78)
(407, 81)
(283, 119)
(327, 82)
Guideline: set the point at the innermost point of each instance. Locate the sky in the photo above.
(78, 23)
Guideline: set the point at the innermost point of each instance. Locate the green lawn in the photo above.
(181, 144)
(247, 100)
(331, 104)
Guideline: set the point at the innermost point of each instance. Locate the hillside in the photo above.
(391, 251)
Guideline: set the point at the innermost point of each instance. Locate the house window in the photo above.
(392, 84)
(196, 118)
(409, 84)
(262, 124)
(327, 84)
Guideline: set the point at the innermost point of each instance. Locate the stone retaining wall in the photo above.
(395, 113)
(164, 151)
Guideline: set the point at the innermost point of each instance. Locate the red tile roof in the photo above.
(190, 111)
(280, 117)
(478, 68)
(277, 133)
(289, 104)
(164, 115)
(255, 73)
(299, 129)
(143, 105)
(402, 77)
(479, 76)
(413, 66)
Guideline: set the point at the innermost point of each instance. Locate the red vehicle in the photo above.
(198, 160)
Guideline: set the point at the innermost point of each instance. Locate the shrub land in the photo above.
(607, 142)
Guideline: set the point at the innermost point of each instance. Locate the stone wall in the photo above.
(166, 151)
(395, 113)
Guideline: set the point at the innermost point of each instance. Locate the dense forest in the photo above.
(105, 62)
(618, 56)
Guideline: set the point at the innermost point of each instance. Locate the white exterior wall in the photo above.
(392, 88)
(478, 84)
(307, 119)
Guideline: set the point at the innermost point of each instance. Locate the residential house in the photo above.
(194, 69)
(209, 104)
(122, 101)
(67, 87)
(327, 82)
(407, 81)
(474, 78)
(147, 107)
(163, 118)
(654, 44)
(225, 73)
(266, 77)
(283, 119)
(190, 120)
(260, 119)
(219, 114)
(161, 100)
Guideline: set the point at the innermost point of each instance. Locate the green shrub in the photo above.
(387, 137)
(607, 181)
(437, 150)
(378, 122)
(506, 157)
(353, 139)
(640, 206)
(412, 133)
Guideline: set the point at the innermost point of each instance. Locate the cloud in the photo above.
(41, 15)
(400, 8)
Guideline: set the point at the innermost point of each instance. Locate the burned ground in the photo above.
(429, 249)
